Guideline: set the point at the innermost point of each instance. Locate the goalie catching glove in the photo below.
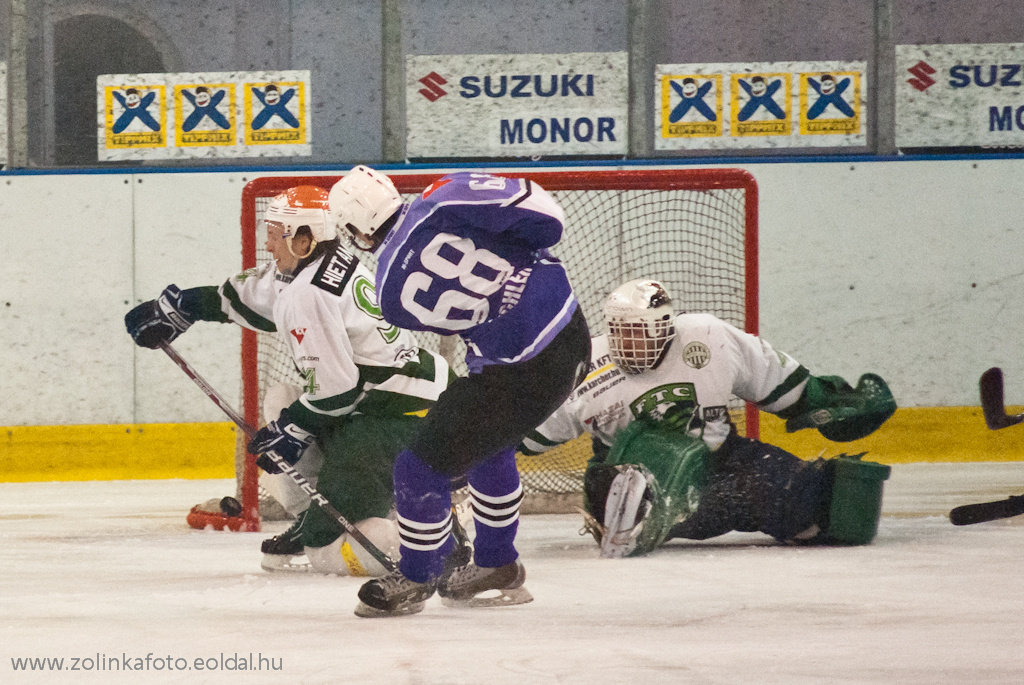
(283, 438)
(840, 412)
(159, 321)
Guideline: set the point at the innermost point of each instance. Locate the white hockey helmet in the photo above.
(362, 202)
(639, 318)
(302, 206)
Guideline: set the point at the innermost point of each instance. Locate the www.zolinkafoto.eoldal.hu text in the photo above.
(151, 662)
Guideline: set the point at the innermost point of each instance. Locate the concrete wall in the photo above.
(342, 45)
(910, 269)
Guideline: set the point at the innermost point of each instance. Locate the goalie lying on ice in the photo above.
(668, 461)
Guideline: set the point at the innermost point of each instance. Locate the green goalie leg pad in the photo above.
(856, 500)
(679, 464)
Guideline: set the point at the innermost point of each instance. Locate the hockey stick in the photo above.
(987, 511)
(992, 401)
(356, 534)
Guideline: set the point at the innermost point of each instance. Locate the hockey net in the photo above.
(693, 229)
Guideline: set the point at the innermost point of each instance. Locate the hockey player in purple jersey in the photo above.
(469, 256)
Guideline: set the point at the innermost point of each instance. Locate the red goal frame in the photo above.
(601, 179)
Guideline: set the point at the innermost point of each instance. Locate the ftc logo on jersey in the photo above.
(657, 402)
(310, 386)
(298, 334)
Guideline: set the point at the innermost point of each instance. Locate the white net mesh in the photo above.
(693, 235)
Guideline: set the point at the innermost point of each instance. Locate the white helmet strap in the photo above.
(312, 244)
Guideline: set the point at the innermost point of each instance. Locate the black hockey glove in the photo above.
(283, 438)
(158, 321)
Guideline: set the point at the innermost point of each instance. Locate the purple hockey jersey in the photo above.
(469, 256)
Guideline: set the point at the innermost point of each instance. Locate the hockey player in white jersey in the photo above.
(668, 460)
(367, 383)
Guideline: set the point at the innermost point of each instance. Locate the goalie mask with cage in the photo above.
(298, 207)
(365, 202)
(639, 318)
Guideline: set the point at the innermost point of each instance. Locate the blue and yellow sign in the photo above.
(222, 114)
(830, 103)
(275, 112)
(760, 105)
(691, 105)
(134, 116)
(205, 113)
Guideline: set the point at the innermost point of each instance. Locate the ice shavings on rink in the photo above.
(108, 573)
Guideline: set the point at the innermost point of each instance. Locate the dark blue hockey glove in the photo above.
(283, 438)
(158, 321)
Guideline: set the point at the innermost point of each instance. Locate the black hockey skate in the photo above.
(393, 595)
(475, 586)
(284, 552)
(396, 595)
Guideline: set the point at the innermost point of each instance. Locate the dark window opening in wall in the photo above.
(83, 48)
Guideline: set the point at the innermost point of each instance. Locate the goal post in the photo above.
(693, 229)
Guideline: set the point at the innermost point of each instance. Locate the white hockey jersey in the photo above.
(707, 363)
(351, 359)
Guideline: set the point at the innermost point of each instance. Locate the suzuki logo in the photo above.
(433, 90)
(922, 72)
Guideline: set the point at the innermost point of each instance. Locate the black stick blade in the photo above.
(987, 511)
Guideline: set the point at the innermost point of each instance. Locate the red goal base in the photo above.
(201, 520)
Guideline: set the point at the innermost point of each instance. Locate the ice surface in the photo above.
(110, 569)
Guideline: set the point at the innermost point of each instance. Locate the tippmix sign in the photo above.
(213, 114)
(969, 95)
(517, 105)
(766, 104)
